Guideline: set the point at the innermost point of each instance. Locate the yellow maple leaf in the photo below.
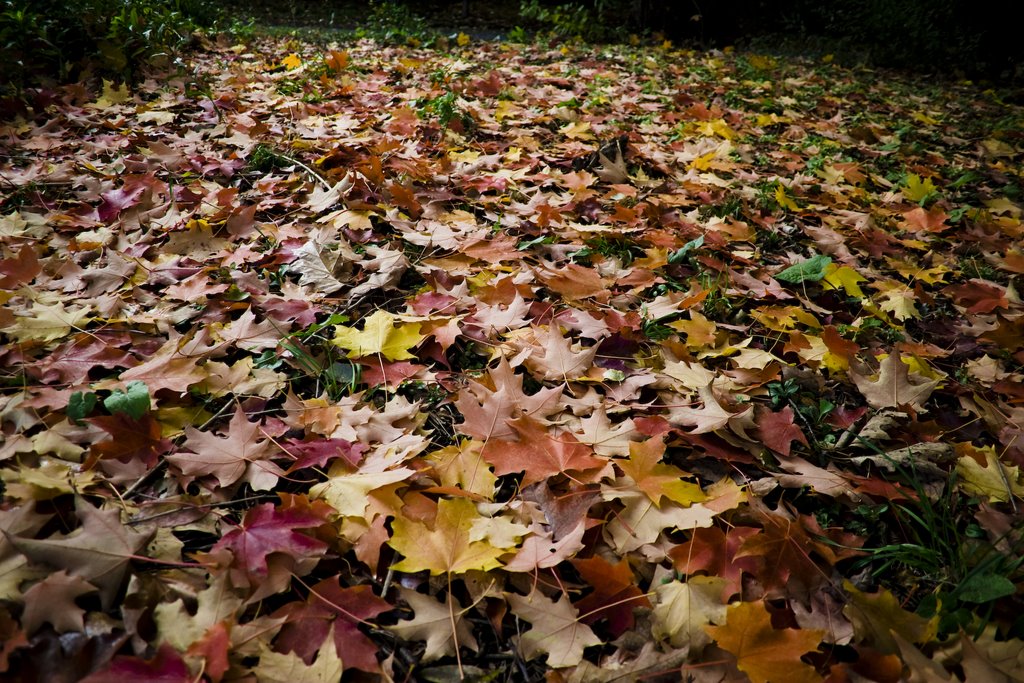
(996, 481)
(462, 40)
(845, 278)
(917, 189)
(703, 162)
(112, 95)
(577, 130)
(763, 652)
(292, 61)
(444, 547)
(380, 335)
(783, 199)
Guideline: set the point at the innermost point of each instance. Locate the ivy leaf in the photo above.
(80, 405)
(133, 401)
(813, 269)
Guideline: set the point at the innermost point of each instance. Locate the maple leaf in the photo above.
(444, 547)
(993, 479)
(238, 456)
(267, 529)
(683, 609)
(53, 600)
(380, 335)
(20, 269)
(166, 666)
(348, 492)
(488, 409)
(556, 629)
(706, 419)
(540, 453)
(895, 386)
(655, 478)
(97, 552)
(778, 431)
(560, 361)
(275, 667)
(462, 465)
(615, 594)
(790, 556)
(132, 439)
(878, 619)
(442, 625)
(714, 551)
(330, 606)
(766, 654)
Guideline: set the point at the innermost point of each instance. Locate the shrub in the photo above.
(59, 39)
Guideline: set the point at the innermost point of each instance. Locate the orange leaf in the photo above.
(762, 652)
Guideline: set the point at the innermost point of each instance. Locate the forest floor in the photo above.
(511, 362)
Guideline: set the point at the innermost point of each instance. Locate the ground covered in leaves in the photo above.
(511, 362)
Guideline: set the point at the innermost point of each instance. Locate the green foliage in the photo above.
(812, 269)
(60, 39)
(394, 22)
(601, 20)
(132, 401)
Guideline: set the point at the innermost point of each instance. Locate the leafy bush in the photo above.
(59, 39)
(596, 21)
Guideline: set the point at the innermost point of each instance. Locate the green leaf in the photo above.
(134, 402)
(981, 588)
(812, 269)
(681, 253)
(80, 405)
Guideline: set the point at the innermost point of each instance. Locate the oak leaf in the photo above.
(763, 652)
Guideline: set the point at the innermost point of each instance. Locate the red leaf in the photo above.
(328, 603)
(322, 451)
(131, 439)
(213, 648)
(778, 431)
(539, 453)
(713, 551)
(21, 269)
(167, 666)
(615, 594)
(267, 529)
